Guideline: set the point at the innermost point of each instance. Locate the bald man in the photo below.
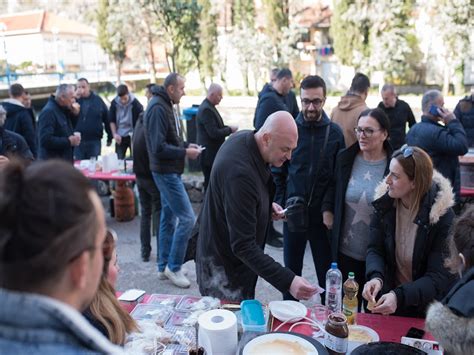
(238, 210)
(211, 131)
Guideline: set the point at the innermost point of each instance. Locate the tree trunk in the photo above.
(167, 55)
(446, 81)
(118, 64)
(152, 57)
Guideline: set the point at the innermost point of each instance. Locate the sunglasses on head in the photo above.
(406, 151)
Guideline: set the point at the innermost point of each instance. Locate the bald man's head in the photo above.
(214, 94)
(277, 138)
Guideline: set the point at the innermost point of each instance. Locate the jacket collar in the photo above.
(433, 206)
(14, 102)
(427, 119)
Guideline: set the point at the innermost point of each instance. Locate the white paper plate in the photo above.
(288, 310)
(356, 343)
(279, 344)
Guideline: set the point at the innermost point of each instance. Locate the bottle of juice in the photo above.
(349, 303)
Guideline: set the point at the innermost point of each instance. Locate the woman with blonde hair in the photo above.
(451, 321)
(105, 311)
(408, 235)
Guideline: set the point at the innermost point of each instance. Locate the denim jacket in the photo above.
(34, 324)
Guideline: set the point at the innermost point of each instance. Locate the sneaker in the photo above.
(161, 275)
(177, 278)
(146, 257)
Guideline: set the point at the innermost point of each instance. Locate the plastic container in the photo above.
(253, 316)
(165, 300)
(158, 314)
(350, 302)
(334, 289)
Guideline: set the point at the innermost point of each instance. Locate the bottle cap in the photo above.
(351, 275)
(333, 266)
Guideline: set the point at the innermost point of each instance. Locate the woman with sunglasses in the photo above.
(451, 321)
(359, 169)
(408, 236)
(105, 312)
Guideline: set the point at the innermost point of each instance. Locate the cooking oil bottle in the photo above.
(349, 303)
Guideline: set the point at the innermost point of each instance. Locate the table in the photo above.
(389, 328)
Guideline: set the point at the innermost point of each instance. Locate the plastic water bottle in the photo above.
(334, 289)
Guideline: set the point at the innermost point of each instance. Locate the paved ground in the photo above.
(137, 274)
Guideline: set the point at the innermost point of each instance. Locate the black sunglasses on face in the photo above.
(308, 102)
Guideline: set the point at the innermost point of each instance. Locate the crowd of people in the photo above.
(379, 202)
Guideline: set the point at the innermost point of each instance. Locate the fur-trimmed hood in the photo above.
(441, 189)
(454, 333)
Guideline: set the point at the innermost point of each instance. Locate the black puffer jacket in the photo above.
(431, 280)
(12, 145)
(166, 149)
(19, 121)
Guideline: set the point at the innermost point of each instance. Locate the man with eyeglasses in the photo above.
(307, 176)
(443, 143)
(348, 110)
(399, 114)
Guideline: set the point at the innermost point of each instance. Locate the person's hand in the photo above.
(446, 115)
(302, 289)
(387, 304)
(75, 108)
(371, 289)
(233, 128)
(3, 161)
(193, 153)
(277, 212)
(74, 140)
(328, 219)
(118, 138)
(193, 145)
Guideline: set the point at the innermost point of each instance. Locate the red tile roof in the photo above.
(42, 21)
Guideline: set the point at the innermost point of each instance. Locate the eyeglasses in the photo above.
(368, 132)
(308, 102)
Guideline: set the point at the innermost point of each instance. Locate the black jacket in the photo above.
(451, 321)
(464, 112)
(296, 177)
(166, 148)
(19, 121)
(93, 119)
(234, 222)
(141, 162)
(292, 104)
(399, 116)
(431, 280)
(443, 144)
(211, 131)
(137, 108)
(12, 145)
(268, 102)
(54, 129)
(334, 200)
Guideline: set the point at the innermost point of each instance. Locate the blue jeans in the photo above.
(176, 222)
(294, 245)
(87, 149)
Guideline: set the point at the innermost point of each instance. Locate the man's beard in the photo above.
(313, 115)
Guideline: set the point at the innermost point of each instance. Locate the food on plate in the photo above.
(362, 334)
(280, 347)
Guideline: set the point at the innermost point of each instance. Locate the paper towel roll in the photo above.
(218, 332)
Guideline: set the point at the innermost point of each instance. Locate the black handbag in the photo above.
(297, 214)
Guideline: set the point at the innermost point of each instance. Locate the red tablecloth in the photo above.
(99, 175)
(389, 328)
(467, 193)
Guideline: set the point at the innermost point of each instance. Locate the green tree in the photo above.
(208, 40)
(277, 12)
(350, 30)
(179, 21)
(243, 13)
(452, 23)
(110, 33)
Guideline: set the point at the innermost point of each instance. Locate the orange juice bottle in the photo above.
(349, 302)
